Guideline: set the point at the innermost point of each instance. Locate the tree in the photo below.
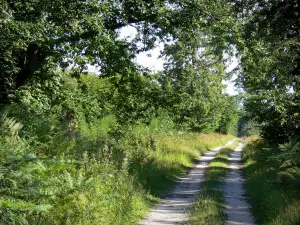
(268, 44)
(39, 36)
(230, 116)
(194, 69)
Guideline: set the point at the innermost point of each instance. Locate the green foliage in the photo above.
(230, 117)
(38, 188)
(284, 160)
(79, 148)
(192, 82)
(289, 159)
(39, 36)
(272, 181)
(74, 181)
(72, 164)
(268, 41)
(247, 127)
(161, 124)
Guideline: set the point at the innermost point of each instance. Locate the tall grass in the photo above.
(208, 209)
(273, 201)
(174, 155)
(95, 173)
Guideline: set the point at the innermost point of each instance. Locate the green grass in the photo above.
(272, 202)
(174, 156)
(100, 186)
(208, 209)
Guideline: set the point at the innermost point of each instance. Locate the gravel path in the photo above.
(171, 210)
(237, 208)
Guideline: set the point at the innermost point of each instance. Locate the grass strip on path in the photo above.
(210, 203)
(173, 156)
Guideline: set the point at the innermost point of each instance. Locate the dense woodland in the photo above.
(84, 148)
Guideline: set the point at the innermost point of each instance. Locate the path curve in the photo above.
(171, 210)
(237, 209)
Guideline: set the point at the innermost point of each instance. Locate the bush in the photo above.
(67, 159)
(272, 181)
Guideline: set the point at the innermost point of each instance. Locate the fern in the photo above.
(289, 158)
(9, 126)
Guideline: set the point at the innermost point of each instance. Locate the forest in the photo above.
(84, 147)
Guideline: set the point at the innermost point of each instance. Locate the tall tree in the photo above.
(268, 44)
(38, 36)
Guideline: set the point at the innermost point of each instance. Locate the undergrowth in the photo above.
(208, 209)
(91, 174)
(272, 181)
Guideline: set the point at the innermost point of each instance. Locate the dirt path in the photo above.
(237, 208)
(171, 210)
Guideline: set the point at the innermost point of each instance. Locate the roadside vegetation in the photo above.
(209, 205)
(81, 148)
(269, 75)
(85, 180)
(90, 136)
(71, 154)
(273, 181)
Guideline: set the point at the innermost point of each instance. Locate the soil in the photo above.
(171, 210)
(237, 209)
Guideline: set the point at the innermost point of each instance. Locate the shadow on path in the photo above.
(171, 210)
(237, 209)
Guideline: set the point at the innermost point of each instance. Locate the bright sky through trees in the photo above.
(151, 59)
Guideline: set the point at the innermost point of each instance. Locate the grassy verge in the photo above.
(273, 202)
(209, 205)
(173, 156)
(84, 180)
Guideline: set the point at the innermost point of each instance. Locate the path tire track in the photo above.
(171, 210)
(237, 209)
